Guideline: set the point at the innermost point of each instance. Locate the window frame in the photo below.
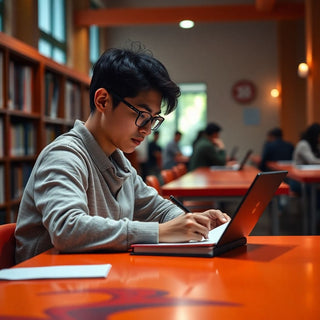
(49, 38)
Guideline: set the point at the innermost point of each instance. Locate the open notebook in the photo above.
(229, 235)
(236, 166)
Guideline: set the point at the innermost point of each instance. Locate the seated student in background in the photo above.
(172, 154)
(307, 149)
(275, 149)
(83, 194)
(154, 155)
(307, 152)
(209, 150)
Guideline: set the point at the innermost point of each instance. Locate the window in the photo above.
(1, 15)
(94, 45)
(52, 26)
(189, 118)
(94, 39)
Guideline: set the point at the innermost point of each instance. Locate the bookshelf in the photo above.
(39, 100)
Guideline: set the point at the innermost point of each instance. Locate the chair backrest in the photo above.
(7, 245)
(182, 168)
(153, 181)
(179, 170)
(167, 175)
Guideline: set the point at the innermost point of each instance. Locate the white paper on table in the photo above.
(56, 272)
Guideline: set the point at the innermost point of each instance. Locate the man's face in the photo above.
(119, 128)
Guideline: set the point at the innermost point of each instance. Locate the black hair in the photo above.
(311, 135)
(127, 72)
(212, 128)
(276, 132)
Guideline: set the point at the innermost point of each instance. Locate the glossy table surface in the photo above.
(204, 182)
(273, 277)
(307, 176)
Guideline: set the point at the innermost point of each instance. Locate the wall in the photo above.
(219, 54)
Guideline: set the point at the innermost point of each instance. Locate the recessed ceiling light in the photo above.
(186, 24)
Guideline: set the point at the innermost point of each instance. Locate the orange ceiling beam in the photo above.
(166, 15)
(265, 5)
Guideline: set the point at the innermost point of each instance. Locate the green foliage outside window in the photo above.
(189, 117)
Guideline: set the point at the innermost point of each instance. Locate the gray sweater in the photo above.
(303, 154)
(78, 199)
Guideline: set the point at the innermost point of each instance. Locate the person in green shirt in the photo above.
(209, 150)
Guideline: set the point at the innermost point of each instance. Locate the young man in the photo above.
(83, 194)
(275, 149)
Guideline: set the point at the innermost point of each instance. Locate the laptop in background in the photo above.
(232, 234)
(236, 166)
(233, 153)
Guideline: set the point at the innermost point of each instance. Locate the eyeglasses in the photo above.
(143, 117)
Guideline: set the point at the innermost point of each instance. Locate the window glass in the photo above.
(58, 55)
(58, 20)
(44, 17)
(94, 45)
(1, 15)
(45, 48)
(189, 118)
(51, 20)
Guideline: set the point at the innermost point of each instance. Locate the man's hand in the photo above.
(218, 142)
(217, 217)
(191, 226)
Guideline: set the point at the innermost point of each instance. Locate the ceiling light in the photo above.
(186, 24)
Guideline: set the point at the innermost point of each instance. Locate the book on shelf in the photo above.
(3, 218)
(1, 79)
(22, 139)
(20, 87)
(19, 177)
(72, 101)
(51, 133)
(2, 184)
(1, 138)
(52, 93)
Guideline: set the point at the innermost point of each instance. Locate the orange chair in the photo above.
(182, 167)
(167, 175)
(176, 172)
(7, 245)
(152, 181)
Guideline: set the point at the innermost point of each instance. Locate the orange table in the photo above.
(273, 277)
(306, 178)
(225, 185)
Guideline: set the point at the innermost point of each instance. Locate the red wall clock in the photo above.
(243, 91)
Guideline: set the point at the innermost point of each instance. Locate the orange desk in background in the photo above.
(306, 178)
(274, 277)
(221, 185)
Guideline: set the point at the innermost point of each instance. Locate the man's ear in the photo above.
(102, 99)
